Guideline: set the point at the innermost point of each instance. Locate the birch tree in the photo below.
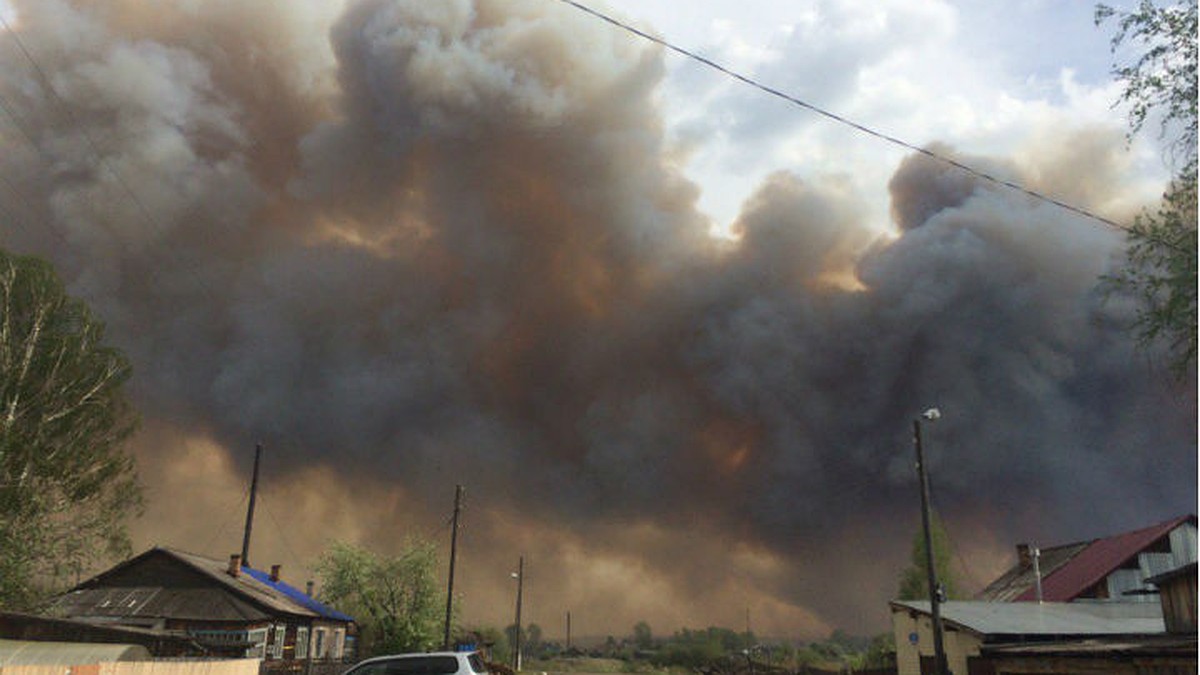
(66, 483)
(1160, 83)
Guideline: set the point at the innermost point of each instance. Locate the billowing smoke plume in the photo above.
(411, 244)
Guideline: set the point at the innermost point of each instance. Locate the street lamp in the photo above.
(519, 575)
(939, 650)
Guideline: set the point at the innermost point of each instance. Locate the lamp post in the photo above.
(519, 575)
(939, 649)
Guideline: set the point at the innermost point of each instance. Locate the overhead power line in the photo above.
(845, 121)
(44, 82)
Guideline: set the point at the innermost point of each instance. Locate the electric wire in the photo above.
(936, 156)
(287, 544)
(966, 569)
(143, 211)
(18, 194)
(224, 522)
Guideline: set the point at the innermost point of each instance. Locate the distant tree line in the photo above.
(718, 649)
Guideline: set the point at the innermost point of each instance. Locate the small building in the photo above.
(976, 633)
(1172, 653)
(1115, 567)
(33, 653)
(230, 610)
(18, 626)
(1177, 594)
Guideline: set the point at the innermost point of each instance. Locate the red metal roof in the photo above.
(1098, 560)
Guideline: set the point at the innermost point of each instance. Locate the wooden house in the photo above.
(1109, 568)
(225, 607)
(1120, 604)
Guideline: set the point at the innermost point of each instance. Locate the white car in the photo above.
(431, 663)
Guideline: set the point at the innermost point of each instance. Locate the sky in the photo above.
(980, 75)
(668, 332)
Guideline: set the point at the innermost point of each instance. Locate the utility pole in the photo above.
(458, 495)
(519, 575)
(568, 631)
(939, 649)
(258, 448)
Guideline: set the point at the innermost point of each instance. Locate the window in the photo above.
(339, 636)
(258, 638)
(302, 642)
(253, 641)
(219, 637)
(278, 636)
(319, 644)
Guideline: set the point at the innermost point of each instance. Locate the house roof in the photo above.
(1069, 570)
(1146, 646)
(1188, 570)
(1005, 620)
(297, 595)
(1009, 586)
(20, 626)
(121, 594)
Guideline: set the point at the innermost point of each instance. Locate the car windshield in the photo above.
(411, 665)
(477, 663)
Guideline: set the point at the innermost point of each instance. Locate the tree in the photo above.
(880, 653)
(642, 637)
(532, 642)
(395, 600)
(66, 484)
(1160, 265)
(914, 582)
(491, 640)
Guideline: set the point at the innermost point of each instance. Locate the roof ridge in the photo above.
(255, 591)
(1147, 528)
(1173, 521)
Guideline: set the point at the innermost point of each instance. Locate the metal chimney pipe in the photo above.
(1036, 553)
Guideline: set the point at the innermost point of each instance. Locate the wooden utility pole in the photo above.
(939, 649)
(458, 495)
(568, 631)
(258, 448)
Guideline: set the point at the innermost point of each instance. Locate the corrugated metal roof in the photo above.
(1150, 646)
(29, 653)
(1006, 619)
(1099, 558)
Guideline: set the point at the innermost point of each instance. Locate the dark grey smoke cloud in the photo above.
(422, 244)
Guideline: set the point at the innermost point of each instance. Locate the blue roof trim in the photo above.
(297, 595)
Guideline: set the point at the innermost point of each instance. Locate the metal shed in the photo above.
(28, 653)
